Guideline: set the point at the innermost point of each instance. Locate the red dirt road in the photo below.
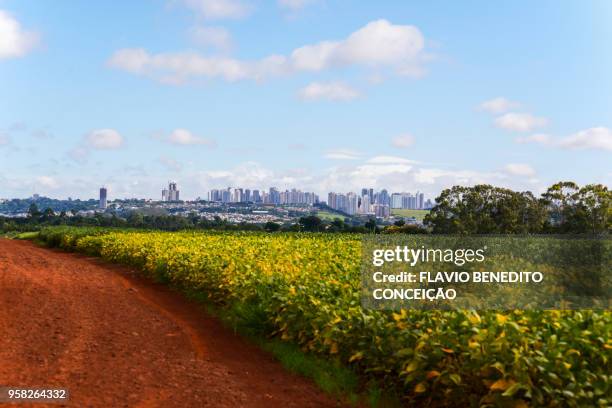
(116, 340)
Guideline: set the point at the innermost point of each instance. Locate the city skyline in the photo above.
(391, 95)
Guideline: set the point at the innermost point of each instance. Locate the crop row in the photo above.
(306, 290)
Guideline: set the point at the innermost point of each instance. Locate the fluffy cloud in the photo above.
(342, 154)
(520, 122)
(332, 91)
(597, 138)
(185, 137)
(14, 41)
(378, 44)
(218, 9)
(210, 36)
(498, 105)
(403, 141)
(594, 138)
(520, 169)
(104, 139)
(4, 139)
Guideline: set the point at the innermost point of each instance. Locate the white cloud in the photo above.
(218, 9)
(389, 160)
(179, 67)
(47, 182)
(594, 138)
(520, 122)
(499, 105)
(104, 139)
(248, 175)
(295, 5)
(597, 138)
(539, 138)
(403, 141)
(379, 44)
(332, 91)
(520, 169)
(342, 154)
(185, 137)
(210, 36)
(14, 41)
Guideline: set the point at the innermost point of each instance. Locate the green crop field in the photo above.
(304, 288)
(329, 216)
(418, 214)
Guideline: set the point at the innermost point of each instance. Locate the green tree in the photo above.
(272, 226)
(370, 225)
(560, 200)
(310, 223)
(593, 210)
(485, 209)
(33, 211)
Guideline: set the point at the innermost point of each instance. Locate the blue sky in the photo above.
(315, 94)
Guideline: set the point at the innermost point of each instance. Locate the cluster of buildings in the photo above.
(369, 202)
(272, 196)
(378, 203)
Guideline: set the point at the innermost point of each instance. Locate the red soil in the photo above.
(115, 339)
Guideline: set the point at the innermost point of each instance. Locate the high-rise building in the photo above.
(381, 210)
(172, 193)
(364, 206)
(256, 196)
(351, 204)
(383, 197)
(103, 198)
(274, 196)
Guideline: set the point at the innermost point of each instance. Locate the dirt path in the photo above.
(114, 340)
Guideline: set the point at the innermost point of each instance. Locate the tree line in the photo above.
(484, 209)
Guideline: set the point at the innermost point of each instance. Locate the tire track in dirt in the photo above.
(115, 339)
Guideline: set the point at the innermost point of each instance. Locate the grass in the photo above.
(19, 235)
(329, 216)
(403, 212)
(27, 235)
(330, 376)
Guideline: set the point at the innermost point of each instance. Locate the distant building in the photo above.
(172, 193)
(381, 210)
(103, 198)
